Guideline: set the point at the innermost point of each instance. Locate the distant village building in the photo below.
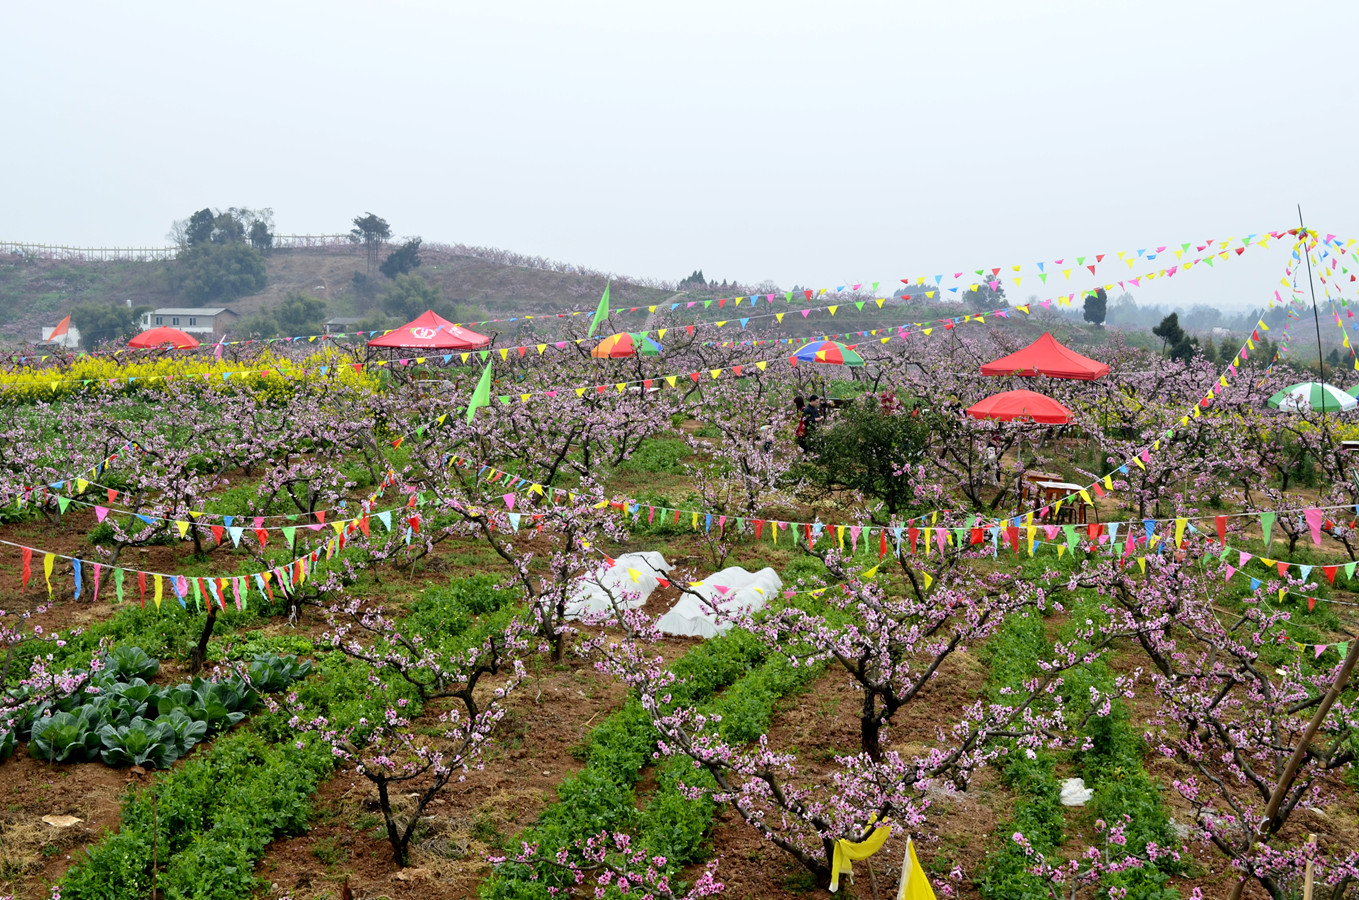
(342, 325)
(70, 339)
(206, 322)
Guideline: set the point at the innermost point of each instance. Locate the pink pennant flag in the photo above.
(509, 501)
(1319, 649)
(1245, 558)
(941, 538)
(100, 512)
(854, 537)
(721, 588)
(1315, 519)
(1230, 572)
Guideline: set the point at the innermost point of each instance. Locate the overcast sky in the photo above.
(810, 143)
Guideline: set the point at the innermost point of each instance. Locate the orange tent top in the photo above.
(1047, 356)
(431, 332)
(163, 336)
(1025, 406)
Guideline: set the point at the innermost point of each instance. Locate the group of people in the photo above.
(810, 412)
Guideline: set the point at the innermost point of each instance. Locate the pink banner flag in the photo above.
(1315, 519)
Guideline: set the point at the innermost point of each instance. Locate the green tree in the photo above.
(411, 295)
(99, 322)
(298, 314)
(1169, 331)
(214, 272)
(372, 231)
(401, 260)
(864, 446)
(220, 256)
(301, 313)
(1185, 349)
(1096, 307)
(1209, 350)
(988, 294)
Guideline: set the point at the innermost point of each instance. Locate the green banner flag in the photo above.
(601, 313)
(482, 395)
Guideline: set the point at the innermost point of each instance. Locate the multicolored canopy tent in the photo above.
(163, 336)
(1024, 406)
(1047, 356)
(625, 344)
(431, 332)
(1313, 395)
(832, 352)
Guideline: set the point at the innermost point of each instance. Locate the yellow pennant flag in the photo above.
(183, 528)
(48, 560)
(913, 884)
(1179, 531)
(670, 380)
(761, 364)
(159, 591)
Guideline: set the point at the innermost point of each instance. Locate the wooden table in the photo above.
(1052, 491)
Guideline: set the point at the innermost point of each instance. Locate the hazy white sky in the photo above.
(814, 143)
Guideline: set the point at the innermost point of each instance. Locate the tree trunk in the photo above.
(199, 655)
(870, 728)
(393, 831)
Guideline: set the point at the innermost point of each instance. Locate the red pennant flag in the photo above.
(1283, 569)
(1311, 603)
(217, 532)
(262, 536)
(1221, 522)
(759, 525)
(28, 567)
(321, 516)
(1330, 573)
(141, 585)
(882, 545)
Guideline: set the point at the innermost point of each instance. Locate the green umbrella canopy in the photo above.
(1312, 395)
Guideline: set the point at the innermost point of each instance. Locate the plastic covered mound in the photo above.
(733, 591)
(590, 597)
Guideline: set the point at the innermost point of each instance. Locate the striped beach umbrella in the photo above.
(625, 344)
(832, 352)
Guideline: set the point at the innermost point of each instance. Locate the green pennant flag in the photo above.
(600, 314)
(1267, 525)
(118, 583)
(482, 395)
(290, 534)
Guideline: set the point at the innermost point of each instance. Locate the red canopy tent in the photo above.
(431, 332)
(1047, 356)
(1023, 405)
(163, 336)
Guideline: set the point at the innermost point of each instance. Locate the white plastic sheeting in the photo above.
(1075, 793)
(734, 591)
(589, 598)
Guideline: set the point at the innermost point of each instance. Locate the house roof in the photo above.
(208, 311)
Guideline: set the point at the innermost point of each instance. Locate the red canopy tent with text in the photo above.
(431, 332)
(1047, 356)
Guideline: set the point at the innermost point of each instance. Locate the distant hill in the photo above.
(36, 292)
